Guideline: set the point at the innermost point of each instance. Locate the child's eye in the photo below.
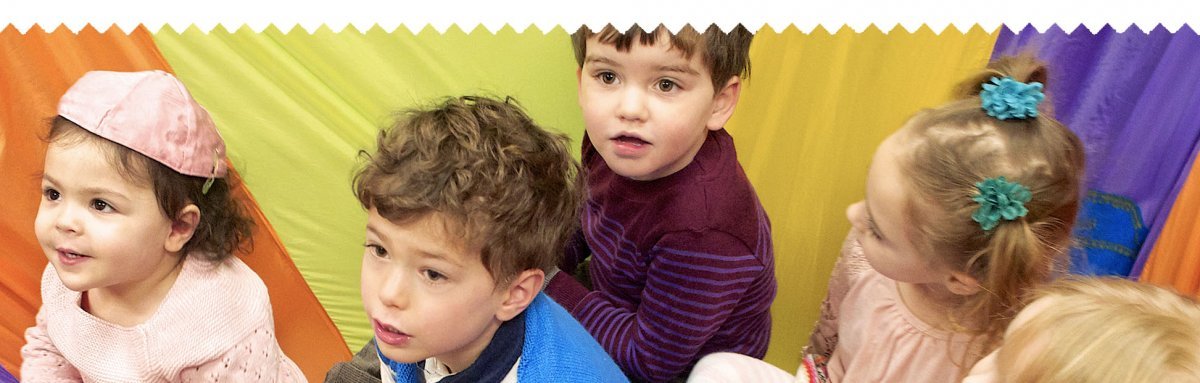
(433, 275)
(665, 85)
(874, 229)
(101, 205)
(607, 77)
(51, 194)
(376, 250)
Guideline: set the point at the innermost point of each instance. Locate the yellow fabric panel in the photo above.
(296, 108)
(807, 124)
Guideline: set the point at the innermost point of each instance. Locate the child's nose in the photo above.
(66, 219)
(632, 106)
(394, 291)
(856, 213)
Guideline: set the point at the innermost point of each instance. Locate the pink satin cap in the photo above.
(150, 112)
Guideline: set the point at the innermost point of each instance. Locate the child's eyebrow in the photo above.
(679, 68)
(440, 257)
(424, 253)
(91, 190)
(600, 60)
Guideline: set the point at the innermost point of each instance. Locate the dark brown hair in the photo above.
(223, 228)
(724, 54)
(501, 183)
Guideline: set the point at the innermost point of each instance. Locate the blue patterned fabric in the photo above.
(1108, 235)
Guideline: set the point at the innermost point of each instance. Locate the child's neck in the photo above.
(133, 303)
(933, 304)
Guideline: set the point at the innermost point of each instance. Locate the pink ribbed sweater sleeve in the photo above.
(42, 361)
(848, 268)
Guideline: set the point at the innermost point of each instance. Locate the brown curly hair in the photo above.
(504, 184)
(724, 54)
(224, 227)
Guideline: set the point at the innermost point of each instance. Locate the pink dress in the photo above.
(869, 335)
(215, 325)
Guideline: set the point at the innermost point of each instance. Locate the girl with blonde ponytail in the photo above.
(968, 206)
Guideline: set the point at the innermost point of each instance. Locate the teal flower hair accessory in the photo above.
(998, 199)
(1006, 98)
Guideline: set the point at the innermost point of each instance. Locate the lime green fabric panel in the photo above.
(296, 108)
(807, 124)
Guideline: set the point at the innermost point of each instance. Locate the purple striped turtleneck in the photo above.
(682, 266)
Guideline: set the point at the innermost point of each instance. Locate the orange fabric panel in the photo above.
(36, 68)
(1175, 259)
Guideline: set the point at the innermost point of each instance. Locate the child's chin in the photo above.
(401, 356)
(634, 172)
(74, 283)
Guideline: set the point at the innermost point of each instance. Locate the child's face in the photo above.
(99, 230)
(426, 296)
(882, 225)
(648, 110)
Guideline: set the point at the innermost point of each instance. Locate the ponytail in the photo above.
(1013, 260)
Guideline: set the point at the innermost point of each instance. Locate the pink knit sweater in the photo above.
(215, 324)
(869, 334)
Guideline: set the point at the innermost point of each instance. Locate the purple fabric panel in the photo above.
(6, 377)
(1134, 100)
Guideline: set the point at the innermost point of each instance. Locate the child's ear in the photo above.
(724, 100)
(183, 227)
(520, 293)
(961, 283)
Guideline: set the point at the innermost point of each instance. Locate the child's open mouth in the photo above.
(630, 146)
(390, 335)
(71, 258)
(631, 140)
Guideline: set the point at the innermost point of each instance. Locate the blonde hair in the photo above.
(954, 146)
(1106, 330)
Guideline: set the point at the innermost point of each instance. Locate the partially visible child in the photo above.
(469, 203)
(681, 256)
(1099, 330)
(139, 224)
(968, 206)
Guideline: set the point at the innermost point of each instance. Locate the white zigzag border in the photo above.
(547, 15)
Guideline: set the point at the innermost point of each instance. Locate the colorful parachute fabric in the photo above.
(295, 109)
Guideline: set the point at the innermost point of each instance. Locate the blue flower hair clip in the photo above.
(998, 199)
(1006, 98)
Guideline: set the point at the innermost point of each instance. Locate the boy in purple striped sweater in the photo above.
(681, 257)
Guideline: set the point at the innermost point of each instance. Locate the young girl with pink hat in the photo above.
(139, 224)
